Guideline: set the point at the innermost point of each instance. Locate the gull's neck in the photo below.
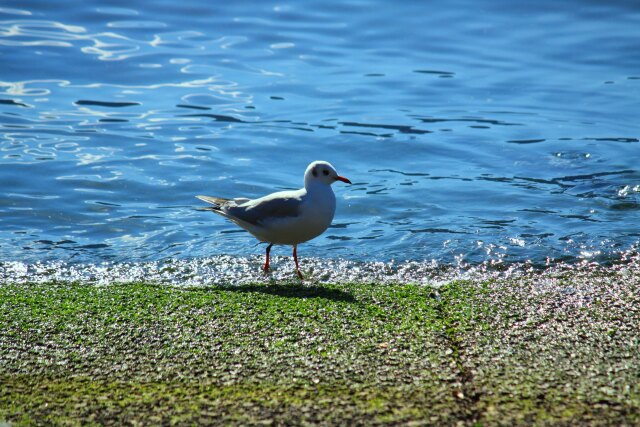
(313, 186)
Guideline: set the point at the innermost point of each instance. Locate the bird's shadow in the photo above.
(292, 290)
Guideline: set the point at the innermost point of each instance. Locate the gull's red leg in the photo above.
(295, 258)
(266, 263)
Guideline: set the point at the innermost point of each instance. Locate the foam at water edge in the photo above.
(225, 269)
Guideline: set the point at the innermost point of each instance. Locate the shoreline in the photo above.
(225, 269)
(493, 352)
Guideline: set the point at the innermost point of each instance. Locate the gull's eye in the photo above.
(325, 172)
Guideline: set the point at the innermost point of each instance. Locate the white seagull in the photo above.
(286, 217)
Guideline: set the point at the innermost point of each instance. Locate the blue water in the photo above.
(473, 131)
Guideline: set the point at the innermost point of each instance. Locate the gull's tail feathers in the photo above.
(217, 203)
(221, 206)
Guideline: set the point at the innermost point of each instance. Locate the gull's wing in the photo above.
(274, 206)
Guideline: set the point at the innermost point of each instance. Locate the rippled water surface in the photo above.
(473, 132)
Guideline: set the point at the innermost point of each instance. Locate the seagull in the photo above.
(286, 217)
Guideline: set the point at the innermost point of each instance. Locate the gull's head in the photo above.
(322, 172)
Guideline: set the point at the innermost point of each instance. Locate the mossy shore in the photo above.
(502, 352)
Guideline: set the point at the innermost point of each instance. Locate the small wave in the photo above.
(227, 269)
(106, 103)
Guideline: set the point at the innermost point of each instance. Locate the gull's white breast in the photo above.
(316, 212)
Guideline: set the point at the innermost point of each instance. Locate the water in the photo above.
(474, 132)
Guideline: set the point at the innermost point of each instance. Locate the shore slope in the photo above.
(499, 352)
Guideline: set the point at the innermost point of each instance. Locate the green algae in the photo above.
(468, 353)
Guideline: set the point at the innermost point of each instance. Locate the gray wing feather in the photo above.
(260, 210)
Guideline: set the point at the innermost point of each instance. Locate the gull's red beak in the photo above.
(343, 179)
